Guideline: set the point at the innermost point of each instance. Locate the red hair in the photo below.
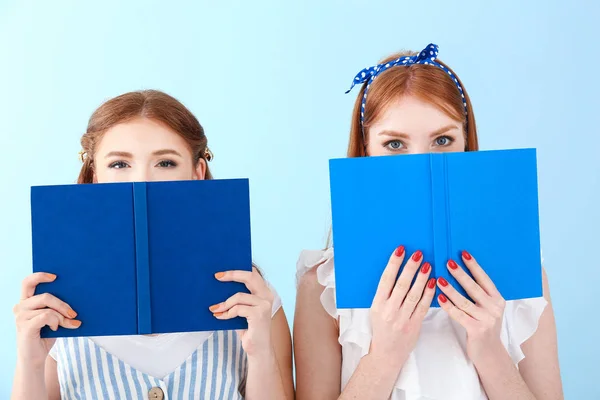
(151, 104)
(429, 83)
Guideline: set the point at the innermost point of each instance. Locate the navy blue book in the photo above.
(140, 258)
(485, 202)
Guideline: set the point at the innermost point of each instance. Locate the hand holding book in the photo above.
(481, 318)
(256, 307)
(32, 313)
(399, 308)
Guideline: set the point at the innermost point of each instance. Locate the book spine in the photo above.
(440, 216)
(142, 258)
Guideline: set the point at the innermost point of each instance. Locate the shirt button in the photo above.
(156, 393)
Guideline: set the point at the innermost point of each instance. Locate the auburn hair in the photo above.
(429, 83)
(152, 104)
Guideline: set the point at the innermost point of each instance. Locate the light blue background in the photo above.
(267, 81)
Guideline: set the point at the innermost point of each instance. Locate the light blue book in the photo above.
(485, 202)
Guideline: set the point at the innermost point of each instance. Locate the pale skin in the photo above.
(411, 126)
(144, 150)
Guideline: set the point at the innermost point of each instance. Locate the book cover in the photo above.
(140, 258)
(485, 202)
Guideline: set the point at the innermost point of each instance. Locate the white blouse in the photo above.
(438, 367)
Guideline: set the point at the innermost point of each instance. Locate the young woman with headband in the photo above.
(401, 349)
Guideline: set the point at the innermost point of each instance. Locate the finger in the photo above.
(425, 303)
(415, 293)
(51, 319)
(30, 283)
(28, 315)
(471, 287)
(458, 315)
(238, 298)
(46, 300)
(461, 301)
(479, 274)
(405, 279)
(236, 311)
(389, 276)
(252, 280)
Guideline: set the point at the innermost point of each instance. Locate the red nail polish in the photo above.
(466, 255)
(443, 282)
(417, 256)
(399, 251)
(425, 268)
(431, 283)
(442, 298)
(452, 264)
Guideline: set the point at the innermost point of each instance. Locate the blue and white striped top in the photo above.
(216, 370)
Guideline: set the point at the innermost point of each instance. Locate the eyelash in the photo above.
(118, 165)
(171, 163)
(449, 138)
(123, 164)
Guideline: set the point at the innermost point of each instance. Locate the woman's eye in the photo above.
(443, 141)
(394, 145)
(166, 164)
(118, 165)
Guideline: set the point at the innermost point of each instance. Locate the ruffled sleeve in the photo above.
(521, 318)
(277, 304)
(323, 261)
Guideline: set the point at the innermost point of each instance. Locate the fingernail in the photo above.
(219, 275)
(217, 314)
(452, 264)
(431, 283)
(399, 251)
(443, 282)
(75, 323)
(425, 268)
(466, 255)
(51, 276)
(442, 298)
(72, 314)
(215, 307)
(417, 256)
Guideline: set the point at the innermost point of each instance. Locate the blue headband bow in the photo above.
(427, 57)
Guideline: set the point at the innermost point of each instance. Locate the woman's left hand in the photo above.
(256, 307)
(482, 319)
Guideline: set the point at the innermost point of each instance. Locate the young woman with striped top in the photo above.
(150, 136)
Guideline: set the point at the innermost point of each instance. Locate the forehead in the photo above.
(140, 135)
(409, 114)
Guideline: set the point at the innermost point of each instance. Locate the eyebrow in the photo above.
(125, 154)
(403, 135)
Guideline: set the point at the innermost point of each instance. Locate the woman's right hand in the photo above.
(399, 309)
(32, 313)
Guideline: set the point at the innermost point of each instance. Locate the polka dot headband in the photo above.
(425, 57)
